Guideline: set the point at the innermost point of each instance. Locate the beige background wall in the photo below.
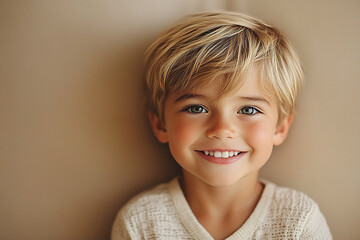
(74, 142)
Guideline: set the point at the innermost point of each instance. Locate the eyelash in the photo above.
(249, 107)
(203, 110)
(190, 108)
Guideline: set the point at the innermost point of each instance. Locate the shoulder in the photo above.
(288, 206)
(149, 200)
(298, 213)
(291, 202)
(144, 214)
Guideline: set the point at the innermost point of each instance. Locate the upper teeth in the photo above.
(219, 154)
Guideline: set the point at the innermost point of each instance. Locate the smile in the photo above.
(219, 154)
(221, 157)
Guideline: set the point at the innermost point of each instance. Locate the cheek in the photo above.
(183, 132)
(259, 136)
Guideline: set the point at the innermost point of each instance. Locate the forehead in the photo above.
(250, 86)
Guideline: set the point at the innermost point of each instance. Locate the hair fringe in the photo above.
(204, 46)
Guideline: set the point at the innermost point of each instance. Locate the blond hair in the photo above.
(203, 46)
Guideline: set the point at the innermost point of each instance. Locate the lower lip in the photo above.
(215, 160)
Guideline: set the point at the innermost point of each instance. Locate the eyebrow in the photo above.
(249, 98)
(188, 95)
(256, 99)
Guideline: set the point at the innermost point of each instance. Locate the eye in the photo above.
(247, 110)
(196, 109)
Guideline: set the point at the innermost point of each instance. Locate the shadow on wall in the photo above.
(111, 124)
(86, 146)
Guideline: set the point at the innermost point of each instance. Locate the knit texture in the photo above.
(163, 213)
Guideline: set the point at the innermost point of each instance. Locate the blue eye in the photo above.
(196, 109)
(248, 110)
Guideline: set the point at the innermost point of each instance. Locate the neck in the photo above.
(216, 201)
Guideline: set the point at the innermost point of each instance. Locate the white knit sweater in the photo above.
(163, 213)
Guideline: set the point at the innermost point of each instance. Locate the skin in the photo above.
(221, 196)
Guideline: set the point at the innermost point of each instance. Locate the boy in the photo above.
(221, 92)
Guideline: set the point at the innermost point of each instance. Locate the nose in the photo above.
(221, 127)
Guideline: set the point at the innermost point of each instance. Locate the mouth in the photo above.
(221, 156)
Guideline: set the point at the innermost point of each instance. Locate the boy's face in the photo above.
(239, 131)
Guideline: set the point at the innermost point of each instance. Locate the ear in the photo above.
(282, 130)
(158, 127)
